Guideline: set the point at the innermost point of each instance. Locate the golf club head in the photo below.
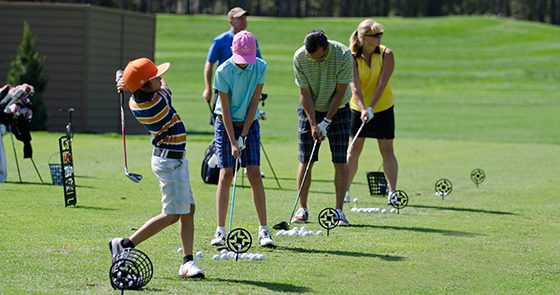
(281, 225)
(133, 176)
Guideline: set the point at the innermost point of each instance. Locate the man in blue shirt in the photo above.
(220, 50)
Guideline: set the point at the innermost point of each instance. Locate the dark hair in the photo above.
(142, 96)
(314, 40)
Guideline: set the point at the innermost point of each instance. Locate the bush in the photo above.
(27, 67)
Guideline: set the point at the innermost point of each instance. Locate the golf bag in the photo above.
(210, 172)
(15, 113)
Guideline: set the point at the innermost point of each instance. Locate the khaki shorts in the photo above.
(175, 184)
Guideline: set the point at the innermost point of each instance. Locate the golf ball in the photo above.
(354, 209)
(223, 256)
(319, 233)
(216, 257)
(199, 254)
(260, 257)
(280, 233)
(383, 211)
(356, 200)
(393, 210)
(179, 250)
(224, 251)
(243, 256)
(310, 233)
(295, 228)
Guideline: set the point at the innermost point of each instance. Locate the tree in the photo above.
(27, 67)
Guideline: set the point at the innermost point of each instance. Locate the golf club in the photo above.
(132, 176)
(237, 160)
(286, 225)
(356, 136)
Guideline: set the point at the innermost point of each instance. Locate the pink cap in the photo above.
(244, 48)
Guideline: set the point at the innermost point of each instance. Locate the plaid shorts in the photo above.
(250, 156)
(338, 133)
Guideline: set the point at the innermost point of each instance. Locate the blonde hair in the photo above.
(366, 27)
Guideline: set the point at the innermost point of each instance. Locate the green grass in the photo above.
(471, 92)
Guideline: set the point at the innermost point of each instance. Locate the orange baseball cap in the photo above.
(139, 71)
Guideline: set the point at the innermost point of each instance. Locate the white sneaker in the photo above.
(392, 198)
(219, 239)
(342, 221)
(190, 270)
(116, 247)
(347, 197)
(301, 216)
(265, 240)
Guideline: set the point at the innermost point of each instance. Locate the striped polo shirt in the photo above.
(161, 120)
(321, 77)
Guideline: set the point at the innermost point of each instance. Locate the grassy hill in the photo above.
(471, 78)
(471, 92)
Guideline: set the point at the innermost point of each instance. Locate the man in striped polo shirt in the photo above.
(323, 69)
(151, 105)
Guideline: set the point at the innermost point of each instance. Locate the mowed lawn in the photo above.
(471, 92)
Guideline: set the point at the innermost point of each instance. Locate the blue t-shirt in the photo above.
(220, 50)
(239, 84)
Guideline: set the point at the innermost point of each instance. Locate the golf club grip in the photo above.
(121, 94)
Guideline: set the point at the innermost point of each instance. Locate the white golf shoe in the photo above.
(342, 221)
(190, 270)
(301, 216)
(219, 239)
(265, 240)
(116, 247)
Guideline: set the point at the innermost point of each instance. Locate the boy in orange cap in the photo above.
(151, 105)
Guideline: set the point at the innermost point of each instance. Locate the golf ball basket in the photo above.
(399, 200)
(478, 176)
(239, 240)
(328, 219)
(443, 187)
(377, 183)
(132, 269)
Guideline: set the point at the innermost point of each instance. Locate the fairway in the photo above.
(470, 92)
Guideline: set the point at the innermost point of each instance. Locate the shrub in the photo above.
(27, 67)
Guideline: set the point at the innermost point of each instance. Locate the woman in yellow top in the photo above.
(372, 100)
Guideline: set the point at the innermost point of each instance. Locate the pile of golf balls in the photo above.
(298, 232)
(230, 255)
(441, 194)
(373, 210)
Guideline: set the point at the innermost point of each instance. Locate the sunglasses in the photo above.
(376, 35)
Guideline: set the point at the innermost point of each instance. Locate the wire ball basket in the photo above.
(132, 269)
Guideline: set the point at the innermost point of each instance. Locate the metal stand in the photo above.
(15, 154)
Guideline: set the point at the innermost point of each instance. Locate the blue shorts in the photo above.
(338, 133)
(250, 156)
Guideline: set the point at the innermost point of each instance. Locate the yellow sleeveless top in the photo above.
(368, 80)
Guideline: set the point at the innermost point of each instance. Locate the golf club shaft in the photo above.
(356, 136)
(309, 163)
(233, 195)
(121, 94)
